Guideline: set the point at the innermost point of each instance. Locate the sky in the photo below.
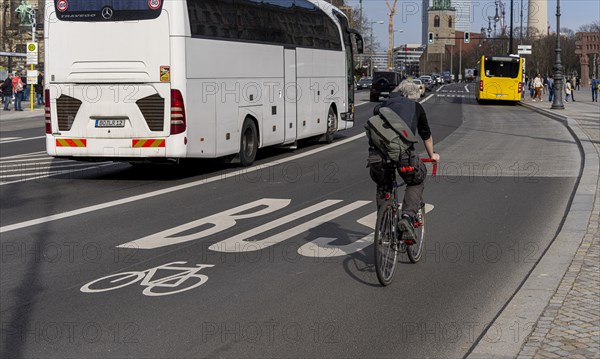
(574, 13)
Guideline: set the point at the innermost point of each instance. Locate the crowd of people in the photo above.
(544, 85)
(15, 89)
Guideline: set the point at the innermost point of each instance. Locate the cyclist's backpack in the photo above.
(390, 134)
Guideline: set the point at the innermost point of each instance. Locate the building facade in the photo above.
(463, 14)
(587, 48)
(407, 57)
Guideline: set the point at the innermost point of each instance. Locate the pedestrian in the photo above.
(545, 88)
(550, 89)
(18, 89)
(567, 90)
(39, 88)
(26, 89)
(531, 89)
(577, 82)
(595, 89)
(573, 88)
(7, 91)
(538, 84)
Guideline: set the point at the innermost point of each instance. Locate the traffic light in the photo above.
(467, 37)
(430, 38)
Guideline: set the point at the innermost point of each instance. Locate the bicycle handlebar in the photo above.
(433, 173)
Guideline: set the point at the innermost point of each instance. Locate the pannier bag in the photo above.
(390, 134)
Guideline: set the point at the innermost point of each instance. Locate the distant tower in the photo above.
(537, 17)
(441, 21)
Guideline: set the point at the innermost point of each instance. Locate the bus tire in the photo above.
(331, 125)
(248, 143)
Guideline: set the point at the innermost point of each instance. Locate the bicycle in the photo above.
(187, 275)
(389, 241)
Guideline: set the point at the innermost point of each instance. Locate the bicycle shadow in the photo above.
(359, 263)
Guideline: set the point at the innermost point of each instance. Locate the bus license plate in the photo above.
(110, 123)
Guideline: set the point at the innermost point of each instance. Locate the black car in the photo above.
(383, 83)
(364, 83)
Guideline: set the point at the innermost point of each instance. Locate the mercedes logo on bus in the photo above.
(107, 13)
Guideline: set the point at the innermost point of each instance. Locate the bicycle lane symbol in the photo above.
(187, 277)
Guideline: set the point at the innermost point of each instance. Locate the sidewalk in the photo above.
(38, 110)
(570, 323)
(556, 311)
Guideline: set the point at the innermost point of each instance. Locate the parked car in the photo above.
(427, 81)
(383, 83)
(421, 86)
(364, 83)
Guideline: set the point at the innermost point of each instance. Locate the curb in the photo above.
(509, 331)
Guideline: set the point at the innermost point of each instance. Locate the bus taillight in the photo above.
(520, 87)
(47, 111)
(480, 85)
(177, 113)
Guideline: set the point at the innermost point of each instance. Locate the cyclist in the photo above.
(402, 100)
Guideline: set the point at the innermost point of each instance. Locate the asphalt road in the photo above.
(281, 252)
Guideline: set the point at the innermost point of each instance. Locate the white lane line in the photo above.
(139, 197)
(441, 87)
(427, 98)
(13, 139)
(8, 139)
(466, 88)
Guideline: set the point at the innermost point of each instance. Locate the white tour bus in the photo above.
(141, 80)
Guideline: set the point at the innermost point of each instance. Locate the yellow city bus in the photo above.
(500, 78)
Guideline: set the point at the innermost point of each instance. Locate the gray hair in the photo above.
(408, 89)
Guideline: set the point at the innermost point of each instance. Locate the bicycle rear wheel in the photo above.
(415, 250)
(386, 244)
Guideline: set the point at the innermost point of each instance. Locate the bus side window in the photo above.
(475, 73)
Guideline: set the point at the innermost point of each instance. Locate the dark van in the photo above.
(383, 83)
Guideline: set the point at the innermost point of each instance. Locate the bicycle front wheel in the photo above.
(415, 250)
(386, 244)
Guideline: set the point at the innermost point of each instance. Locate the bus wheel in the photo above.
(248, 143)
(331, 125)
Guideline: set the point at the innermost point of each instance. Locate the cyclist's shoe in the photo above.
(406, 226)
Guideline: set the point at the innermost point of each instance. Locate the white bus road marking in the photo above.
(441, 87)
(239, 242)
(220, 222)
(19, 139)
(322, 247)
(105, 205)
(466, 88)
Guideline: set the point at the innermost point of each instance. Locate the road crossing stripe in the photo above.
(34, 178)
(218, 177)
(19, 139)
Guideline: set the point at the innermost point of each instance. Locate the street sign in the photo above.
(32, 53)
(32, 76)
(524, 47)
(523, 52)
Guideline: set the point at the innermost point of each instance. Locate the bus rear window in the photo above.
(107, 10)
(501, 68)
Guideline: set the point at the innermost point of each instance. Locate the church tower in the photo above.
(441, 22)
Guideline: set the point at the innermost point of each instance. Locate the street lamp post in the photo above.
(371, 59)
(557, 102)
